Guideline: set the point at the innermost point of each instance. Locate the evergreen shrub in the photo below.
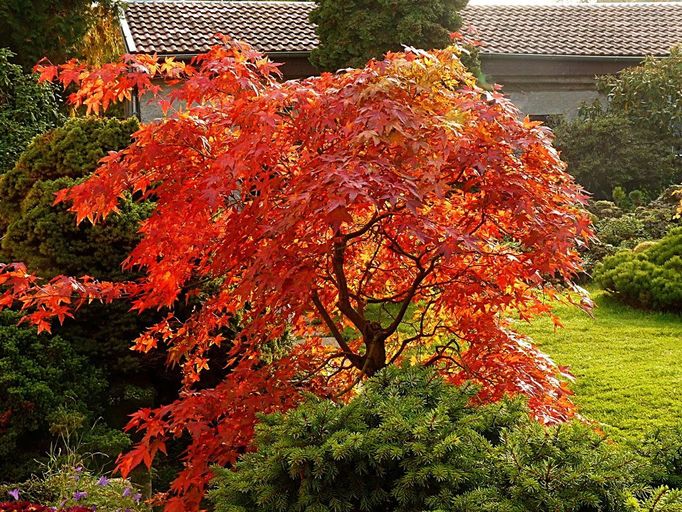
(45, 385)
(411, 442)
(649, 278)
(46, 237)
(26, 109)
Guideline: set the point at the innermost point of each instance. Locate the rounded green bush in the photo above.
(649, 278)
(46, 237)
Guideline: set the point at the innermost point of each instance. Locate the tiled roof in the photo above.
(632, 29)
(189, 27)
(605, 29)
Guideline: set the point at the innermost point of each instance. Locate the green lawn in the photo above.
(627, 363)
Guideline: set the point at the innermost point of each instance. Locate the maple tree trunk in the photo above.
(375, 354)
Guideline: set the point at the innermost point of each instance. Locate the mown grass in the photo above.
(627, 364)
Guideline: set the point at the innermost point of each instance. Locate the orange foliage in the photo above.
(399, 188)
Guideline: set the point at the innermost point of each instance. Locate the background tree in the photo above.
(26, 110)
(649, 94)
(397, 209)
(103, 42)
(352, 32)
(34, 29)
(639, 128)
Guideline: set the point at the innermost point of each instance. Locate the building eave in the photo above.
(274, 55)
(128, 40)
(547, 56)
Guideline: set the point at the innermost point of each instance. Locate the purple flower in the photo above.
(79, 495)
(137, 497)
(14, 493)
(128, 491)
(79, 469)
(103, 481)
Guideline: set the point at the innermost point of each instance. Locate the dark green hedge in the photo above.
(26, 109)
(608, 151)
(46, 388)
(48, 240)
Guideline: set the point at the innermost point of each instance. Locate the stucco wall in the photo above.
(548, 86)
(550, 102)
(292, 67)
(539, 86)
(149, 108)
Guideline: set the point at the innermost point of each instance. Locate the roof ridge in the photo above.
(596, 5)
(501, 6)
(202, 2)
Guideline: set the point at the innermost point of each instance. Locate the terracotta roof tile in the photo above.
(608, 29)
(188, 27)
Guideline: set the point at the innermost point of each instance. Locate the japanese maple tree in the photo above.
(385, 214)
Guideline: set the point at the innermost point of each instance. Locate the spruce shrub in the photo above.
(663, 447)
(412, 442)
(660, 499)
(46, 237)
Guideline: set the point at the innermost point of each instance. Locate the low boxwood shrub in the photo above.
(650, 278)
(618, 229)
(411, 442)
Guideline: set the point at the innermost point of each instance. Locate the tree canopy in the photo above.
(393, 212)
(354, 31)
(26, 109)
(34, 29)
(634, 140)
